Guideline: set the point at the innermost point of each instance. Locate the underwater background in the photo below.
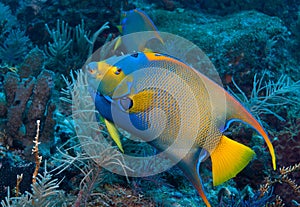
(254, 46)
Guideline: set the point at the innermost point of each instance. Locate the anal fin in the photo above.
(228, 159)
(190, 165)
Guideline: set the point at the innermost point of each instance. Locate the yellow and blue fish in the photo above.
(132, 23)
(132, 91)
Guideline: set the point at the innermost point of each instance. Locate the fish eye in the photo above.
(118, 71)
(135, 55)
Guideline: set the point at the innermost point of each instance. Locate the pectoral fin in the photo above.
(141, 101)
(118, 42)
(228, 159)
(113, 132)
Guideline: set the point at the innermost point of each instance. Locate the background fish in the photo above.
(136, 20)
(132, 23)
(163, 101)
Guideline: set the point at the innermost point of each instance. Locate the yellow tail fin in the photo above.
(228, 159)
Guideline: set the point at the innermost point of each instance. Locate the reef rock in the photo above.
(240, 44)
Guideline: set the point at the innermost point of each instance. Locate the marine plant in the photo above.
(70, 47)
(7, 20)
(15, 47)
(57, 50)
(267, 95)
(91, 154)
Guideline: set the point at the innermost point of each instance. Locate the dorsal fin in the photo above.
(235, 110)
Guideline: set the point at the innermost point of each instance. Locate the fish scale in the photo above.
(189, 77)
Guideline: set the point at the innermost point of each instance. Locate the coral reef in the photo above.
(268, 96)
(13, 165)
(239, 45)
(225, 7)
(253, 44)
(45, 192)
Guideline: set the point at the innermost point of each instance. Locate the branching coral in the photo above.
(244, 198)
(92, 40)
(264, 196)
(35, 151)
(90, 165)
(284, 171)
(92, 176)
(278, 180)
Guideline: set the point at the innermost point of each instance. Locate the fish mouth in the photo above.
(91, 68)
